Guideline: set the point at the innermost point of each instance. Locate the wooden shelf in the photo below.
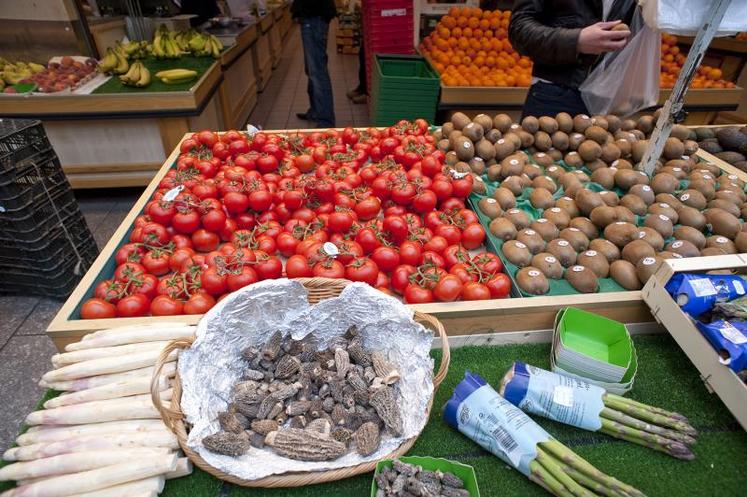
(724, 44)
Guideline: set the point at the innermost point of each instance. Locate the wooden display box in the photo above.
(276, 44)
(262, 58)
(238, 91)
(459, 318)
(717, 377)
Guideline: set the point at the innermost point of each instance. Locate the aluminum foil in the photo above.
(210, 368)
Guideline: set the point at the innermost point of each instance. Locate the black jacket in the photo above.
(547, 32)
(305, 9)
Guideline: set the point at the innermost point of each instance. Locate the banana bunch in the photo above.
(14, 73)
(138, 75)
(115, 61)
(134, 49)
(182, 38)
(204, 45)
(165, 45)
(176, 76)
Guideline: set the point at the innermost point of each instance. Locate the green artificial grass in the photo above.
(665, 378)
(199, 64)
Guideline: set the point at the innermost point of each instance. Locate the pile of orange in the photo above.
(742, 36)
(672, 60)
(470, 47)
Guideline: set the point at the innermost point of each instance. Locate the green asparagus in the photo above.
(544, 479)
(642, 425)
(554, 469)
(591, 483)
(650, 440)
(650, 416)
(654, 409)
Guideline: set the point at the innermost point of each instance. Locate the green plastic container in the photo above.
(403, 87)
(463, 471)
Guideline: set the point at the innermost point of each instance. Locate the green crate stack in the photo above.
(403, 87)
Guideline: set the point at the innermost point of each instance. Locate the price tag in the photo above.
(170, 195)
(563, 395)
(732, 334)
(330, 249)
(703, 287)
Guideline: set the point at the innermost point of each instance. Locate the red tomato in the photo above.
(401, 277)
(162, 212)
(424, 201)
(386, 258)
(454, 254)
(362, 269)
(127, 271)
(410, 253)
(349, 250)
(214, 220)
(499, 286)
(186, 221)
(109, 290)
(133, 306)
(199, 303)
(97, 309)
(396, 226)
(442, 189)
(473, 235)
(368, 240)
(475, 291)
(403, 193)
(448, 288)
(430, 166)
(205, 241)
(146, 285)
(329, 268)
(436, 244)
(260, 200)
(433, 258)
(451, 233)
(462, 272)
(462, 187)
(268, 267)
(129, 252)
(156, 262)
(178, 257)
(181, 241)
(286, 244)
(213, 282)
(416, 294)
(163, 305)
(246, 276)
(155, 234)
(368, 208)
(235, 202)
(490, 263)
(293, 199)
(267, 163)
(340, 222)
(304, 162)
(297, 266)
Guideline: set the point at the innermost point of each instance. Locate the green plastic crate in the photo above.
(403, 87)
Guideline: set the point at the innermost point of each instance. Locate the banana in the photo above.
(197, 43)
(109, 62)
(122, 65)
(158, 49)
(144, 77)
(176, 74)
(36, 68)
(132, 75)
(216, 46)
(173, 81)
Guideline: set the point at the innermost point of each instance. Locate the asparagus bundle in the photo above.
(580, 404)
(104, 438)
(479, 412)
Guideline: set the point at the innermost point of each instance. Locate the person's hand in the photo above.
(601, 37)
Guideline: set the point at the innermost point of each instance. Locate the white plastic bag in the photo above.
(627, 80)
(685, 17)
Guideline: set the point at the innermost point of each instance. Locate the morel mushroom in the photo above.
(226, 443)
(305, 445)
(386, 407)
(367, 438)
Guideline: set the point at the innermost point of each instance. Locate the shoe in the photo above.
(352, 94)
(361, 98)
(304, 116)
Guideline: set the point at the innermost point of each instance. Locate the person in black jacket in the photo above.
(314, 17)
(564, 39)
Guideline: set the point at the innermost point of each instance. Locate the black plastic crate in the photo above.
(35, 177)
(35, 219)
(48, 253)
(19, 139)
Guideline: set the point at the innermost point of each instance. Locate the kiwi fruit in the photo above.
(502, 122)
(583, 279)
(613, 123)
(646, 124)
(666, 209)
(596, 133)
(637, 250)
(721, 242)
(462, 167)
(518, 218)
(530, 124)
(606, 248)
(588, 200)
(664, 183)
(563, 251)
(605, 177)
(541, 198)
(557, 216)
(532, 171)
(596, 165)
(624, 147)
(621, 233)
(722, 223)
(464, 148)
(578, 240)
(531, 239)
(447, 128)
(542, 159)
(505, 197)
(634, 204)
(725, 205)
(610, 198)
(532, 281)
(585, 225)
(474, 132)
(621, 164)
(740, 241)
(560, 141)
(610, 153)
(661, 223)
(705, 187)
(568, 205)
(637, 150)
(542, 141)
(548, 124)
(451, 158)
(503, 148)
(673, 149)
(490, 207)
(477, 165)
(575, 140)
(646, 267)
(589, 151)
(493, 135)
(691, 147)
(512, 165)
(624, 274)
(573, 159)
(485, 150)
(711, 251)
(459, 120)
(595, 261)
(515, 184)
(483, 120)
(692, 235)
(652, 237)
(729, 195)
(683, 248)
(581, 122)
(494, 173)
(626, 178)
(548, 264)
(502, 228)
(603, 215)
(478, 185)
(545, 228)
(689, 216)
(545, 182)
(512, 139)
(517, 253)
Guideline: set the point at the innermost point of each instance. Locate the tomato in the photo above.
(205, 241)
(97, 309)
(214, 220)
(235, 202)
(451, 233)
(468, 217)
(416, 294)
(382, 281)
(267, 163)
(127, 271)
(401, 277)
(199, 303)
(362, 269)
(162, 211)
(473, 235)
(349, 250)
(129, 252)
(268, 267)
(156, 262)
(430, 166)
(186, 221)
(133, 306)
(304, 214)
(304, 162)
(424, 201)
(146, 285)
(462, 272)
(267, 244)
(454, 254)
(433, 258)
(221, 151)
(155, 234)
(396, 226)
(207, 138)
(293, 199)
(403, 193)
(475, 291)
(368, 240)
(176, 260)
(329, 268)
(436, 244)
(260, 200)
(246, 276)
(489, 263)
(297, 266)
(109, 290)
(448, 288)
(286, 244)
(340, 222)
(213, 281)
(499, 286)
(368, 208)
(451, 204)
(386, 258)
(163, 305)
(442, 189)
(181, 241)
(462, 187)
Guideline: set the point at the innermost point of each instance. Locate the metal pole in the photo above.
(672, 108)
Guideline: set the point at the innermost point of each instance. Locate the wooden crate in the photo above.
(459, 318)
(717, 377)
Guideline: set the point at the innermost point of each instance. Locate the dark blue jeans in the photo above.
(314, 32)
(548, 99)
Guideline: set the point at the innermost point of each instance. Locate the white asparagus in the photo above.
(136, 386)
(59, 360)
(183, 468)
(124, 337)
(169, 369)
(46, 433)
(99, 478)
(154, 485)
(132, 327)
(107, 493)
(95, 442)
(97, 411)
(157, 431)
(71, 463)
(95, 367)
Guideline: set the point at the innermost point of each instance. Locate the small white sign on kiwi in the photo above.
(542, 220)
(663, 217)
(677, 244)
(648, 261)
(521, 245)
(646, 188)
(467, 144)
(641, 234)
(513, 162)
(550, 259)
(685, 197)
(591, 253)
(530, 232)
(514, 211)
(556, 209)
(501, 141)
(721, 239)
(573, 229)
(577, 269)
(533, 273)
(491, 200)
(563, 243)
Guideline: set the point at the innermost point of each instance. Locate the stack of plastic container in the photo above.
(45, 243)
(387, 29)
(403, 87)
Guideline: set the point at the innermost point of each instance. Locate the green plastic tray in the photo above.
(463, 471)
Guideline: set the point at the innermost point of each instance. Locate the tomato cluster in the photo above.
(377, 206)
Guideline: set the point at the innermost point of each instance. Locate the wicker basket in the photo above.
(319, 289)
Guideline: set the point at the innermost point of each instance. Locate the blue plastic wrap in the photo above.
(698, 293)
(729, 338)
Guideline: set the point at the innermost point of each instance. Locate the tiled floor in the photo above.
(24, 349)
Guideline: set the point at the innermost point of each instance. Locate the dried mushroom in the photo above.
(227, 443)
(305, 445)
(405, 480)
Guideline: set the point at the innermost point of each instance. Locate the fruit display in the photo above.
(169, 44)
(568, 211)
(137, 75)
(115, 61)
(12, 73)
(323, 403)
(672, 60)
(470, 47)
(58, 76)
(176, 76)
(728, 144)
(377, 206)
